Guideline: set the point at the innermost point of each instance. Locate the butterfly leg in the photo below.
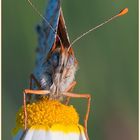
(70, 88)
(87, 96)
(32, 77)
(29, 91)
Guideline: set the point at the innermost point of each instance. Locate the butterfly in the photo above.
(56, 64)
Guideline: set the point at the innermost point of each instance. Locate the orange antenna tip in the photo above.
(123, 12)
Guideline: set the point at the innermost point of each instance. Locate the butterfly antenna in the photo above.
(121, 13)
(36, 10)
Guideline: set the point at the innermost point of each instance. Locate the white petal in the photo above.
(50, 135)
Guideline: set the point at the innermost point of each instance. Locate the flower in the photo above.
(49, 120)
(56, 132)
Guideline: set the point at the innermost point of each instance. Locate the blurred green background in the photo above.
(108, 63)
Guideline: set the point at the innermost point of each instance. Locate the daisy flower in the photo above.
(49, 120)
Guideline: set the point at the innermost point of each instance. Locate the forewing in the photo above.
(46, 31)
(46, 36)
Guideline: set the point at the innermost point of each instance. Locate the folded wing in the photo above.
(47, 34)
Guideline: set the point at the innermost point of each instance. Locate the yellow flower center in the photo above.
(47, 112)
